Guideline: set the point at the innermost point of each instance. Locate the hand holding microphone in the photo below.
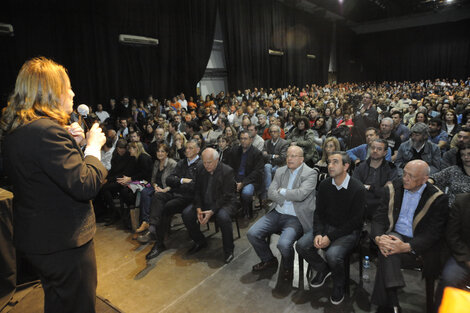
(95, 137)
(84, 120)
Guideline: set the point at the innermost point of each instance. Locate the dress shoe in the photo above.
(273, 263)
(319, 279)
(287, 275)
(143, 227)
(228, 257)
(197, 247)
(146, 237)
(156, 250)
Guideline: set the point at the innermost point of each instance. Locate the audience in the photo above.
(427, 111)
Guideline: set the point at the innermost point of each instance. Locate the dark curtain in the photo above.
(251, 27)
(83, 36)
(433, 51)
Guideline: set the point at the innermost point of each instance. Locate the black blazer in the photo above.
(429, 230)
(254, 165)
(223, 188)
(458, 230)
(53, 184)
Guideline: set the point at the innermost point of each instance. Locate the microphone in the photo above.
(84, 121)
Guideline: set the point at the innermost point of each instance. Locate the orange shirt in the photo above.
(176, 106)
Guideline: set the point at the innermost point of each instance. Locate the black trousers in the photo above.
(68, 278)
(164, 205)
(389, 276)
(223, 219)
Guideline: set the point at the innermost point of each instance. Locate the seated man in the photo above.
(407, 226)
(436, 134)
(457, 269)
(387, 133)
(400, 129)
(257, 141)
(375, 173)
(247, 162)
(274, 153)
(337, 224)
(450, 157)
(214, 196)
(293, 194)
(362, 152)
(165, 204)
(419, 148)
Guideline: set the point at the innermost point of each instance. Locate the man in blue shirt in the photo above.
(362, 152)
(408, 227)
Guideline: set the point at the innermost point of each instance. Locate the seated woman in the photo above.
(178, 147)
(223, 149)
(140, 175)
(162, 167)
(450, 124)
(329, 145)
(457, 177)
(231, 135)
(304, 137)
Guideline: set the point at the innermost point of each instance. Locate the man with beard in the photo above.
(375, 173)
(362, 152)
(419, 148)
(450, 157)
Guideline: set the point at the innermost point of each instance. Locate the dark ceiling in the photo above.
(360, 11)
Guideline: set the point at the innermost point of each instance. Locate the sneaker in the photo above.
(319, 279)
(337, 296)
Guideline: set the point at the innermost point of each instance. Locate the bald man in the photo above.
(215, 195)
(408, 228)
(293, 194)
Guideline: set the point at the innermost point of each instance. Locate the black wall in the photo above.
(83, 36)
(434, 51)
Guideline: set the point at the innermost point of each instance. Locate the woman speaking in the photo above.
(53, 183)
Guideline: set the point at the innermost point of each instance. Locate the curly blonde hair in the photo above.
(39, 87)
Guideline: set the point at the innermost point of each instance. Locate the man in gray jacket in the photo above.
(293, 194)
(418, 147)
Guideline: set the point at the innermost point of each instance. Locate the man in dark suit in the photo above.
(214, 196)
(274, 153)
(53, 183)
(407, 226)
(247, 162)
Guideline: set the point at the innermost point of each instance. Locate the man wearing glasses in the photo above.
(293, 194)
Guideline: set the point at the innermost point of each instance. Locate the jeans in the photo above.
(274, 222)
(223, 220)
(145, 201)
(247, 199)
(335, 254)
(269, 171)
(454, 274)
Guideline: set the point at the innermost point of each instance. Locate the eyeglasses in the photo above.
(294, 156)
